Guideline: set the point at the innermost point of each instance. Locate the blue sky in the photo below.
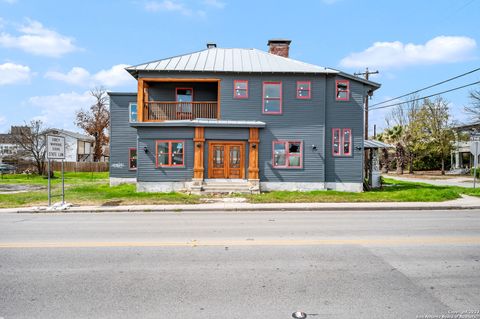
(52, 52)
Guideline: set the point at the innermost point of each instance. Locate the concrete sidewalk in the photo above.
(461, 181)
(466, 202)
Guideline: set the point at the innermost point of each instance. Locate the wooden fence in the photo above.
(81, 166)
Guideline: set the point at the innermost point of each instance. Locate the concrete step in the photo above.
(210, 187)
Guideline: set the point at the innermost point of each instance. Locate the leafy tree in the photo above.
(95, 121)
(434, 119)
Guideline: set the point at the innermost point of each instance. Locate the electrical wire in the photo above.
(423, 97)
(427, 87)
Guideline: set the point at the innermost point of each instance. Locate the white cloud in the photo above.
(115, 76)
(387, 55)
(215, 3)
(76, 76)
(59, 110)
(38, 40)
(329, 2)
(11, 73)
(165, 5)
(174, 6)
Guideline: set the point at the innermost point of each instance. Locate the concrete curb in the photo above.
(243, 208)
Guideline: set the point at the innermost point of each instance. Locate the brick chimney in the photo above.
(279, 47)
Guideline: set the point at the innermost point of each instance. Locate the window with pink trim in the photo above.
(342, 90)
(347, 141)
(341, 142)
(170, 153)
(336, 142)
(303, 90)
(132, 158)
(287, 154)
(272, 98)
(240, 89)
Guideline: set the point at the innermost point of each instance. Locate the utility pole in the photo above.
(366, 74)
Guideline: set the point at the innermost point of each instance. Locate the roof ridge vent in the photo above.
(211, 45)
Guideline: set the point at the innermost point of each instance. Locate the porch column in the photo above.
(140, 100)
(198, 141)
(253, 142)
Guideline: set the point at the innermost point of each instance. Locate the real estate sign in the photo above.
(55, 147)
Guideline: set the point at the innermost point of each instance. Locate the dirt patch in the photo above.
(19, 188)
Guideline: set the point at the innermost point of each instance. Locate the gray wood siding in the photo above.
(345, 114)
(301, 120)
(147, 172)
(122, 135)
(310, 121)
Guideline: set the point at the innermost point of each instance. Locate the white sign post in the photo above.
(55, 150)
(474, 149)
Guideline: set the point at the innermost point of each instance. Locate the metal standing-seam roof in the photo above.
(230, 60)
(376, 144)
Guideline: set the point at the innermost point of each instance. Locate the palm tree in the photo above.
(394, 136)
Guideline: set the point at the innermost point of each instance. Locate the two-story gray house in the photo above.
(239, 119)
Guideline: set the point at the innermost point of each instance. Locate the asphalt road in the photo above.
(240, 265)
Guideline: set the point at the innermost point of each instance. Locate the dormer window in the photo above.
(303, 90)
(240, 89)
(342, 90)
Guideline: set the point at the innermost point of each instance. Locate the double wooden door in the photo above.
(226, 160)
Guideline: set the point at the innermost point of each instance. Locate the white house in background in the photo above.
(78, 147)
(8, 148)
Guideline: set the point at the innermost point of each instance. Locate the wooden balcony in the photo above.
(155, 111)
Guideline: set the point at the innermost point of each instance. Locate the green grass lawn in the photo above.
(93, 189)
(85, 189)
(392, 191)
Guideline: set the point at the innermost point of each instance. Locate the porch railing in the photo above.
(167, 111)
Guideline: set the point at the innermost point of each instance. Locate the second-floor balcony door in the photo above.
(184, 98)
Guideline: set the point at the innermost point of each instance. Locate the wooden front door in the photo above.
(226, 160)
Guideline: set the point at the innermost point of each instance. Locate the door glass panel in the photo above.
(218, 156)
(235, 157)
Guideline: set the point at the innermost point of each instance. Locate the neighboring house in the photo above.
(461, 157)
(8, 147)
(257, 120)
(78, 147)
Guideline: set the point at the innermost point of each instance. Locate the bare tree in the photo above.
(474, 108)
(95, 121)
(32, 142)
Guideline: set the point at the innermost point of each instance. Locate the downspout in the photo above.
(325, 132)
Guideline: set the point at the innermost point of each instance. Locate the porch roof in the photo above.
(376, 144)
(201, 122)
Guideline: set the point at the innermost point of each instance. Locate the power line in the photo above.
(427, 87)
(425, 97)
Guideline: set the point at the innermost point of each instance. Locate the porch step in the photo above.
(227, 187)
